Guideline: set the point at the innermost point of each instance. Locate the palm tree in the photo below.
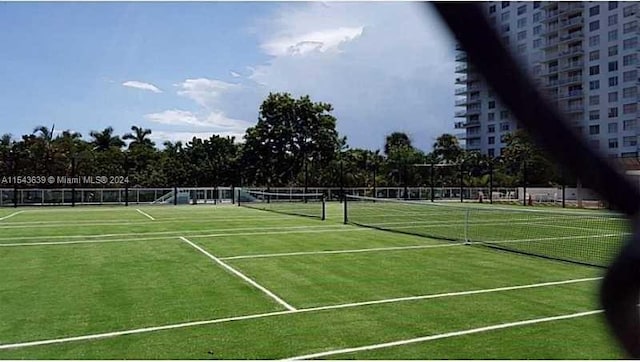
(139, 137)
(105, 140)
(396, 140)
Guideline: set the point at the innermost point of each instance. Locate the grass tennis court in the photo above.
(225, 282)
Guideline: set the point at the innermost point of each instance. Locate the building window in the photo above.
(505, 28)
(594, 55)
(491, 128)
(522, 22)
(594, 40)
(595, 10)
(594, 70)
(537, 30)
(613, 66)
(594, 115)
(613, 19)
(613, 81)
(613, 50)
(491, 152)
(505, 16)
(537, 43)
(629, 141)
(630, 76)
(613, 127)
(594, 100)
(522, 9)
(522, 35)
(491, 140)
(630, 92)
(613, 5)
(594, 129)
(613, 97)
(613, 112)
(613, 143)
(491, 116)
(505, 4)
(522, 48)
(504, 126)
(594, 84)
(491, 104)
(630, 27)
(630, 59)
(492, 9)
(629, 10)
(537, 16)
(536, 4)
(630, 108)
(630, 43)
(613, 35)
(504, 115)
(629, 125)
(594, 25)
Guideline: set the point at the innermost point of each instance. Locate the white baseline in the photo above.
(445, 335)
(242, 276)
(305, 310)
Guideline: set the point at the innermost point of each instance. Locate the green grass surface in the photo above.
(123, 271)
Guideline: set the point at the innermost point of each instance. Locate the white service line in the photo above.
(173, 233)
(11, 215)
(305, 310)
(347, 251)
(446, 335)
(97, 241)
(145, 214)
(242, 276)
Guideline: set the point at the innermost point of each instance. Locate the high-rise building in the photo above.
(583, 55)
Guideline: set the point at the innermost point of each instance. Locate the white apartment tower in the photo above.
(584, 55)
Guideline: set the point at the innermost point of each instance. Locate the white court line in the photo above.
(446, 335)
(145, 214)
(348, 251)
(305, 310)
(94, 241)
(11, 215)
(171, 233)
(242, 276)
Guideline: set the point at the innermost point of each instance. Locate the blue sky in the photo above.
(185, 69)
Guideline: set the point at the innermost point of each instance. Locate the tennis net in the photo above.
(576, 236)
(299, 204)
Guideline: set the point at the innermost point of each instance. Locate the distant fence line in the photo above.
(215, 195)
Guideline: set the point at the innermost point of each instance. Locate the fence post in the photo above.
(175, 195)
(344, 211)
(524, 183)
(462, 182)
(431, 182)
(491, 182)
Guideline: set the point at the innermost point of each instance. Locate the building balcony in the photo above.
(571, 80)
(462, 125)
(552, 70)
(462, 68)
(467, 112)
(461, 57)
(462, 79)
(570, 8)
(574, 109)
(550, 43)
(552, 84)
(460, 91)
(571, 94)
(459, 47)
(572, 65)
(545, 5)
(572, 23)
(570, 52)
(576, 35)
(467, 101)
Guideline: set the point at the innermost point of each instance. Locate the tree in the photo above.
(520, 152)
(289, 133)
(105, 139)
(139, 137)
(396, 140)
(447, 150)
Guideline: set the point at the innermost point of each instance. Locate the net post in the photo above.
(175, 195)
(466, 227)
(431, 182)
(491, 182)
(344, 212)
(324, 208)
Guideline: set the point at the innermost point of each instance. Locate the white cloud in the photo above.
(322, 41)
(234, 74)
(141, 85)
(213, 122)
(205, 91)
